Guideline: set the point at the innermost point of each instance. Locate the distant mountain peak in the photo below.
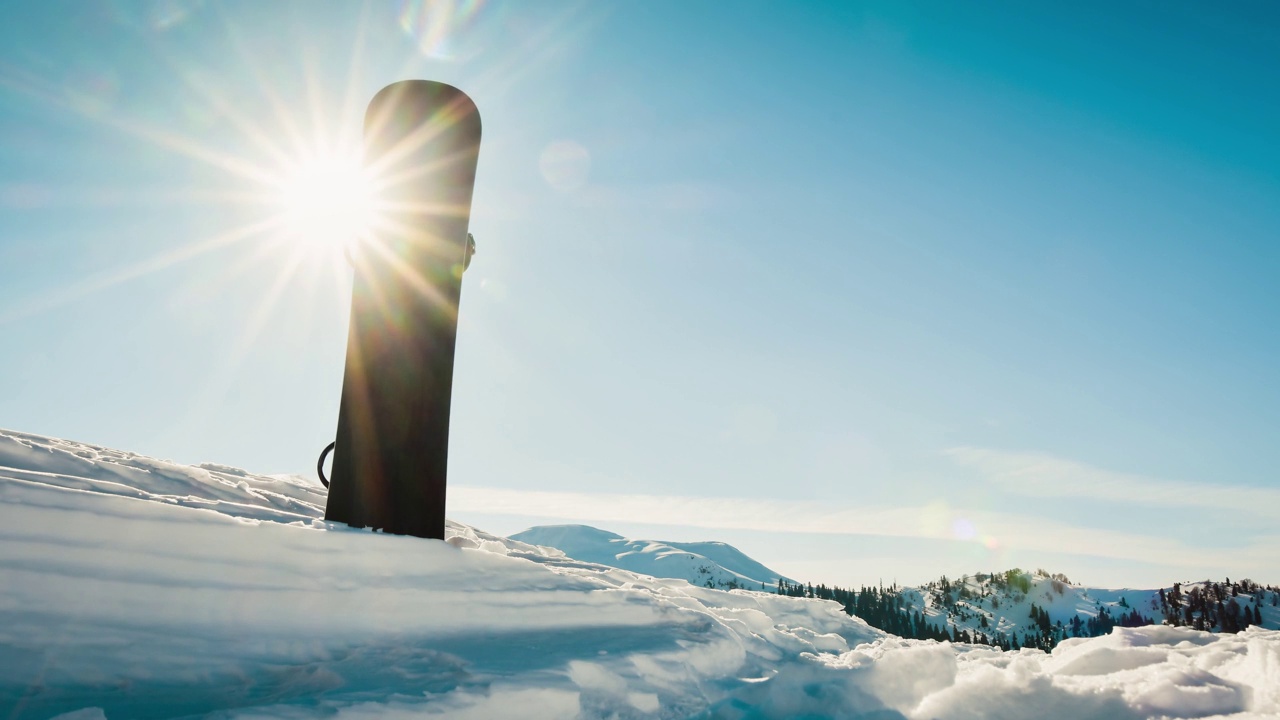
(573, 532)
(708, 563)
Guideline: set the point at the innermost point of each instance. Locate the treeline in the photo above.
(1217, 607)
(887, 609)
(1225, 607)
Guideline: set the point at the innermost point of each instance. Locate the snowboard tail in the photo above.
(390, 459)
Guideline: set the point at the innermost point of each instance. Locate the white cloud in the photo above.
(1040, 475)
(934, 521)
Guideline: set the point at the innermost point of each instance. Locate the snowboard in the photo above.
(390, 455)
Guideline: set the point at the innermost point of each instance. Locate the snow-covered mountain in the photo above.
(711, 564)
(1011, 609)
(1037, 608)
(132, 587)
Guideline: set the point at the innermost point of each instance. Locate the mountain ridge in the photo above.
(711, 564)
(1009, 609)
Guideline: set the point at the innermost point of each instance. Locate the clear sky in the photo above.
(870, 290)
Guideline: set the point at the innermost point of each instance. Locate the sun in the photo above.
(326, 202)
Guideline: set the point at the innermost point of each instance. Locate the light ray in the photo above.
(436, 125)
(278, 150)
(386, 181)
(215, 387)
(146, 267)
(540, 50)
(413, 279)
(350, 119)
(247, 128)
(283, 116)
(362, 268)
(263, 312)
(157, 136)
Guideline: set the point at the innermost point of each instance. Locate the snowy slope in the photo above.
(712, 564)
(993, 606)
(137, 588)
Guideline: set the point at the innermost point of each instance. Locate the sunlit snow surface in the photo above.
(137, 588)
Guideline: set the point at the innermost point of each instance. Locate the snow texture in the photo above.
(138, 588)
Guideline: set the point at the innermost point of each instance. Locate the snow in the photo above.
(1006, 608)
(137, 588)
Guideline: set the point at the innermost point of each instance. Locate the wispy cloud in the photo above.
(1005, 531)
(1040, 475)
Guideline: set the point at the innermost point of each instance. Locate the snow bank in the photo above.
(138, 588)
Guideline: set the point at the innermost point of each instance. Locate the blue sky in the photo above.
(872, 290)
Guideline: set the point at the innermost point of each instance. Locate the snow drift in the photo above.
(134, 587)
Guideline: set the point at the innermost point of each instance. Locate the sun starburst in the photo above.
(327, 202)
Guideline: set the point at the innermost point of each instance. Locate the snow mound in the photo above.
(712, 564)
(137, 588)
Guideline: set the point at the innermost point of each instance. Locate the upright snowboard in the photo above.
(390, 456)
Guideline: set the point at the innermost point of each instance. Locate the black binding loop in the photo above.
(320, 465)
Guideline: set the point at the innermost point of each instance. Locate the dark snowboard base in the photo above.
(390, 461)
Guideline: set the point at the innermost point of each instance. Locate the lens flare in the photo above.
(436, 24)
(565, 165)
(963, 529)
